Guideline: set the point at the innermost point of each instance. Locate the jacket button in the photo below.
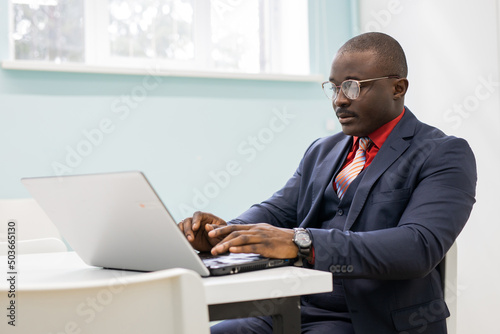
(340, 212)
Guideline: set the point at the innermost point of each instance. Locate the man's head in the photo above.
(370, 56)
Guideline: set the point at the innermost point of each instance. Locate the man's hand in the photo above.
(264, 239)
(196, 230)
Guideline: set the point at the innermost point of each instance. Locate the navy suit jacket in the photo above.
(411, 204)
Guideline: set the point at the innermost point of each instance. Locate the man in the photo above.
(382, 202)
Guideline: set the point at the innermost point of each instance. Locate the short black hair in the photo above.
(389, 52)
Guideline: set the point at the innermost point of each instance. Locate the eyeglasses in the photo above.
(350, 88)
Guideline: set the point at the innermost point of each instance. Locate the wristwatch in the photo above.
(302, 239)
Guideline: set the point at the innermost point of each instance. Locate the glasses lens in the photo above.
(351, 89)
(330, 90)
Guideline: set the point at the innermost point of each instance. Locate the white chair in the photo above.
(44, 245)
(168, 301)
(450, 284)
(35, 232)
(31, 220)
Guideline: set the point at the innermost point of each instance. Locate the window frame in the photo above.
(98, 61)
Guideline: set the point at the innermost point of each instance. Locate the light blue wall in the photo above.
(193, 138)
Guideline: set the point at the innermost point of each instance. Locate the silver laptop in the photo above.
(117, 221)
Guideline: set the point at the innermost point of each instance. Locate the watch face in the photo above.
(302, 239)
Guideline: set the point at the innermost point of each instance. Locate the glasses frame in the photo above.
(358, 83)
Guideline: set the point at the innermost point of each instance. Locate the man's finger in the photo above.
(187, 229)
(211, 227)
(196, 221)
(227, 229)
(236, 239)
(254, 248)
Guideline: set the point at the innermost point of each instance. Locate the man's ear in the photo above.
(400, 88)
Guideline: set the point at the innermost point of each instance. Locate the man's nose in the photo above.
(341, 100)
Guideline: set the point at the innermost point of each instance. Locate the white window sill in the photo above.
(85, 68)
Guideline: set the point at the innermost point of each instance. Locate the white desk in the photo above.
(275, 292)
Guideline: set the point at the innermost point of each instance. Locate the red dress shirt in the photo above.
(378, 138)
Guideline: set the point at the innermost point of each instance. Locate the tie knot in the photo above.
(364, 142)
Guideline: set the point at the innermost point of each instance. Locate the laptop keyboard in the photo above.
(226, 259)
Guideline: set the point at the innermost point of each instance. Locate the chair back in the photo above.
(44, 245)
(167, 301)
(31, 220)
(449, 273)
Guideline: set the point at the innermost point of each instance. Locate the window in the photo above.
(243, 36)
(48, 30)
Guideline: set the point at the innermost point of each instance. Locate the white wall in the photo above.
(452, 51)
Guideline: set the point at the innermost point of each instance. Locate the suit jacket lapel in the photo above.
(327, 168)
(395, 145)
(323, 174)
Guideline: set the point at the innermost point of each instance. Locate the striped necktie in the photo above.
(349, 173)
